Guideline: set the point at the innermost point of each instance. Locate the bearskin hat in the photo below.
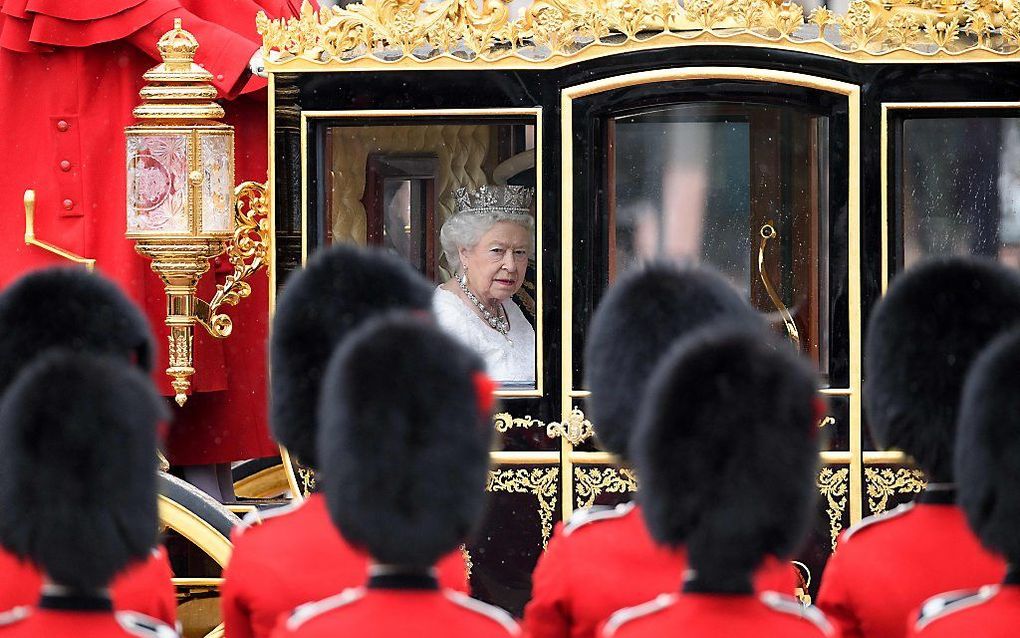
(78, 480)
(338, 290)
(726, 448)
(404, 439)
(634, 326)
(921, 340)
(987, 458)
(70, 309)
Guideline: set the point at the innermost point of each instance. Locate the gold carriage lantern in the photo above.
(182, 206)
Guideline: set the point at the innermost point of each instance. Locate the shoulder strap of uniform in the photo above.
(627, 614)
(951, 602)
(493, 613)
(878, 518)
(138, 624)
(587, 515)
(304, 613)
(17, 614)
(790, 605)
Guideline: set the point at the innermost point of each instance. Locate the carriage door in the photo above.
(751, 171)
(937, 204)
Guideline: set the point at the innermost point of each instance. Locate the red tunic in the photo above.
(397, 613)
(294, 557)
(887, 565)
(766, 615)
(70, 73)
(605, 560)
(65, 617)
(145, 588)
(990, 612)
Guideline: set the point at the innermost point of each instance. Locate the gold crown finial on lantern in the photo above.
(177, 46)
(178, 90)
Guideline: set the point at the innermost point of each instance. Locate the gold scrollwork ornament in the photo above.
(540, 482)
(833, 485)
(504, 422)
(590, 482)
(247, 253)
(576, 429)
(883, 483)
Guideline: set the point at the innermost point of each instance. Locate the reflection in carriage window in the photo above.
(456, 200)
(741, 187)
(962, 203)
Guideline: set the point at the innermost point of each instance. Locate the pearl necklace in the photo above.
(500, 323)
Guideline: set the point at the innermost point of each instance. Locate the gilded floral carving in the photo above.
(414, 30)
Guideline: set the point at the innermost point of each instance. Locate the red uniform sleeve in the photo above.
(453, 573)
(148, 589)
(547, 614)
(221, 51)
(835, 597)
(237, 575)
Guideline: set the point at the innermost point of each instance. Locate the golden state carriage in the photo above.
(809, 154)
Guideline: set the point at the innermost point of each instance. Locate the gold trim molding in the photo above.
(388, 33)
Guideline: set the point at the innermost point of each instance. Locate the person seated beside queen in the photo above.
(488, 242)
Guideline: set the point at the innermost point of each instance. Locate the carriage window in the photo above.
(455, 198)
(740, 187)
(962, 203)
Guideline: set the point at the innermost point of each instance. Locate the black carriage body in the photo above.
(540, 474)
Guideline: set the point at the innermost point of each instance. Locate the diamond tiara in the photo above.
(515, 200)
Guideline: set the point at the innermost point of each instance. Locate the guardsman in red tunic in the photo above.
(634, 325)
(78, 491)
(987, 465)
(70, 309)
(296, 555)
(732, 481)
(404, 452)
(921, 340)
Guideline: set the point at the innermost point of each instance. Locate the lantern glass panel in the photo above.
(217, 184)
(157, 188)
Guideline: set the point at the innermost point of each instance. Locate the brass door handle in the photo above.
(767, 232)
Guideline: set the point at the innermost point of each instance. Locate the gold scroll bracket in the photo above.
(247, 252)
(576, 428)
(30, 240)
(768, 231)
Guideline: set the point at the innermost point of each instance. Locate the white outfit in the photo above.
(509, 359)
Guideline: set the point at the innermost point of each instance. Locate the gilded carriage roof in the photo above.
(454, 33)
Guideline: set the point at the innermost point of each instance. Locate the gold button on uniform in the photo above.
(68, 204)
(62, 126)
(65, 165)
